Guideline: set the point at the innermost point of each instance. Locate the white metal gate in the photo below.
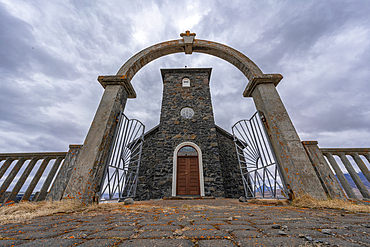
(121, 172)
(258, 164)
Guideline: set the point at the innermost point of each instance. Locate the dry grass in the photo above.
(309, 202)
(269, 202)
(25, 211)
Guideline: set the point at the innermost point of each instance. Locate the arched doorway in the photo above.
(187, 170)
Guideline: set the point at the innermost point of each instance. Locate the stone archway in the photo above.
(188, 45)
(297, 170)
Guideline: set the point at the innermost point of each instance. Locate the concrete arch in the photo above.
(140, 59)
(200, 163)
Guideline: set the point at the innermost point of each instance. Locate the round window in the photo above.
(187, 112)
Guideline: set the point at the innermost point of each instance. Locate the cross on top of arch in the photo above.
(188, 41)
(189, 45)
(187, 33)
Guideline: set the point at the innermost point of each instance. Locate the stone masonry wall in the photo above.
(155, 179)
(147, 166)
(233, 183)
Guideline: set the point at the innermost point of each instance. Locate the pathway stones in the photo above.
(100, 242)
(220, 222)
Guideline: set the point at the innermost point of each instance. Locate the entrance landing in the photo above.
(189, 198)
(218, 222)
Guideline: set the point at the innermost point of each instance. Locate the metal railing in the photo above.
(343, 154)
(121, 172)
(37, 165)
(258, 164)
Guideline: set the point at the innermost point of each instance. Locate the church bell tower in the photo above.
(182, 154)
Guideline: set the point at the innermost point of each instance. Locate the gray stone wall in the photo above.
(220, 166)
(233, 183)
(155, 177)
(148, 165)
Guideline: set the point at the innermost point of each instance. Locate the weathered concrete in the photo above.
(360, 185)
(343, 181)
(85, 181)
(367, 156)
(64, 174)
(5, 166)
(44, 189)
(323, 171)
(10, 178)
(21, 180)
(36, 179)
(295, 166)
(236, 58)
(361, 165)
(355, 153)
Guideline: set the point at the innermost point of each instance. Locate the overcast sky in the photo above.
(51, 53)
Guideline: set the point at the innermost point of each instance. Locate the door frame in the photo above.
(174, 169)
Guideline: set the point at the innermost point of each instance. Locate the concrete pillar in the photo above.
(327, 178)
(10, 178)
(367, 156)
(5, 166)
(44, 189)
(296, 169)
(84, 184)
(36, 179)
(21, 180)
(343, 181)
(360, 185)
(361, 165)
(64, 174)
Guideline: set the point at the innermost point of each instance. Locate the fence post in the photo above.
(360, 185)
(64, 174)
(323, 171)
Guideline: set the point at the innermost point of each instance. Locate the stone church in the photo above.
(187, 154)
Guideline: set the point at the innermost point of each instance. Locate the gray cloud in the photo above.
(52, 52)
(21, 52)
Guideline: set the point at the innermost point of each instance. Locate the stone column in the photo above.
(296, 169)
(352, 172)
(347, 188)
(327, 178)
(361, 165)
(64, 174)
(84, 184)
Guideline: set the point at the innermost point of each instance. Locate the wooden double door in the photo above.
(187, 176)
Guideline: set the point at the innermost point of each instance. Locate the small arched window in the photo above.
(187, 151)
(185, 82)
